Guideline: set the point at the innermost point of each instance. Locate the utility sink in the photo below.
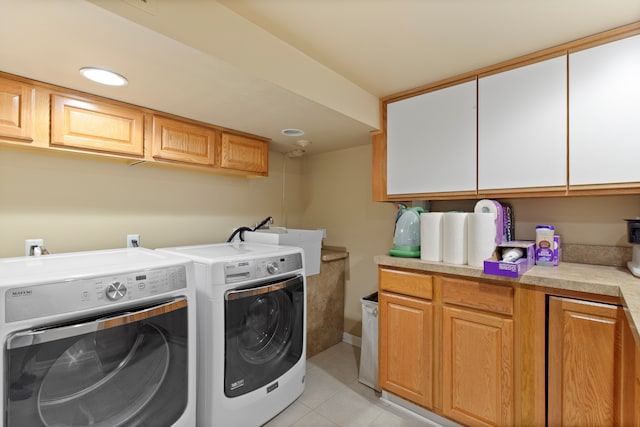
(309, 240)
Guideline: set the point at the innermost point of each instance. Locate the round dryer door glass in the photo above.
(266, 328)
(106, 378)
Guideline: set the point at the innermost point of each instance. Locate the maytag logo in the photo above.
(237, 384)
(18, 293)
(508, 267)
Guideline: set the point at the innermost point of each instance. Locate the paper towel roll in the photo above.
(454, 237)
(492, 206)
(431, 236)
(481, 240)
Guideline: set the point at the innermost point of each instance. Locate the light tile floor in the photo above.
(333, 396)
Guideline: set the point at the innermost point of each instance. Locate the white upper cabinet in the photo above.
(431, 142)
(604, 114)
(522, 127)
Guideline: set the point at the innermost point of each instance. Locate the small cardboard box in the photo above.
(494, 265)
(553, 254)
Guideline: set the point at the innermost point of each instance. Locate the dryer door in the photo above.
(126, 369)
(264, 334)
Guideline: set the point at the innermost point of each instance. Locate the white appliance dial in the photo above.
(272, 268)
(116, 290)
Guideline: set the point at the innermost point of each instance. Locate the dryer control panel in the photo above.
(240, 271)
(38, 301)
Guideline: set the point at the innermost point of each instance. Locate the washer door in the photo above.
(129, 369)
(264, 328)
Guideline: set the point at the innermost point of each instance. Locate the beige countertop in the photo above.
(332, 254)
(596, 279)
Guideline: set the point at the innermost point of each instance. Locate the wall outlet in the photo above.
(133, 240)
(32, 242)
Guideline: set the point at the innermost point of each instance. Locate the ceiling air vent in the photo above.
(149, 6)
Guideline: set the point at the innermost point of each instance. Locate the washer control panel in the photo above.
(240, 271)
(116, 290)
(50, 299)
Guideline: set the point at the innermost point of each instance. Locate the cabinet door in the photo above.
(95, 125)
(604, 112)
(183, 142)
(406, 354)
(636, 389)
(477, 367)
(244, 154)
(584, 362)
(522, 127)
(431, 142)
(16, 110)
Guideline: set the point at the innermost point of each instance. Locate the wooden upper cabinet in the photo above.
(585, 363)
(88, 124)
(431, 142)
(604, 114)
(557, 122)
(183, 142)
(244, 154)
(16, 110)
(52, 117)
(522, 128)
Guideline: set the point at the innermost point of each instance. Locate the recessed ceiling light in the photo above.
(292, 132)
(104, 77)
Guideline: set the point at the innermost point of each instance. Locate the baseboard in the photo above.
(351, 339)
(416, 411)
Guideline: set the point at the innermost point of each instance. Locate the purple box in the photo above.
(493, 265)
(556, 250)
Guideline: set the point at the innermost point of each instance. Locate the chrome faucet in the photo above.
(264, 224)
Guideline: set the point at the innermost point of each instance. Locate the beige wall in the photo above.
(338, 198)
(84, 203)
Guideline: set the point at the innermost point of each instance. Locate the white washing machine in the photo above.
(251, 330)
(100, 338)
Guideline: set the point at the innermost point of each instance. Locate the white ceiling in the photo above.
(261, 66)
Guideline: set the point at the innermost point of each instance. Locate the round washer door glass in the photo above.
(264, 334)
(266, 328)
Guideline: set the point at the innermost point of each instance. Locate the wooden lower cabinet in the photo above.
(588, 355)
(477, 367)
(406, 349)
(485, 353)
(636, 388)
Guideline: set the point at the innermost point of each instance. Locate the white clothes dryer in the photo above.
(100, 338)
(251, 330)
